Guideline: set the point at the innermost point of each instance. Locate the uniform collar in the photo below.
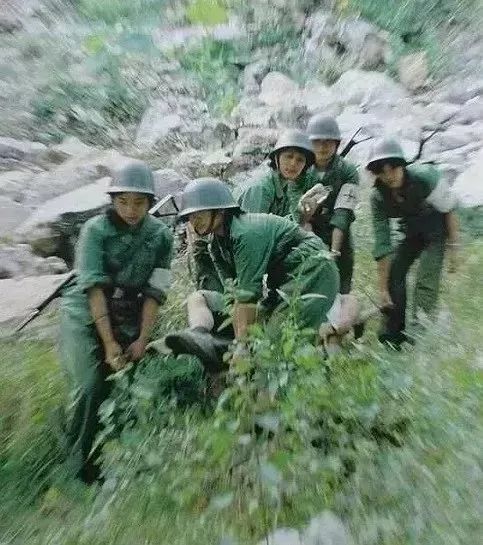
(120, 224)
(280, 185)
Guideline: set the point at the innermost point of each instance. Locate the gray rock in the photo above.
(292, 116)
(282, 536)
(68, 148)
(12, 214)
(318, 98)
(18, 261)
(413, 70)
(326, 529)
(361, 43)
(256, 142)
(196, 164)
(21, 150)
(21, 296)
(437, 112)
(277, 89)
(470, 112)
(157, 122)
(54, 227)
(453, 138)
(73, 174)
(13, 182)
(462, 90)
(9, 24)
(168, 181)
(360, 87)
(468, 186)
(253, 75)
(169, 116)
(251, 112)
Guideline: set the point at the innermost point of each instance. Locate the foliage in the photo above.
(207, 12)
(212, 63)
(114, 11)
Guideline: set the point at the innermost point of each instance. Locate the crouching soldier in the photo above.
(245, 247)
(122, 260)
(290, 161)
(424, 203)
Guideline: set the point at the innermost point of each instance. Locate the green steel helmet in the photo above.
(293, 138)
(206, 194)
(386, 150)
(136, 177)
(322, 127)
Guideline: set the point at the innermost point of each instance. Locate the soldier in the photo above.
(332, 220)
(290, 161)
(122, 260)
(246, 247)
(417, 195)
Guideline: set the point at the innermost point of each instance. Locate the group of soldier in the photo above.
(284, 236)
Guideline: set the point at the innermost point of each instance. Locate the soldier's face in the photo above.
(291, 164)
(324, 150)
(206, 222)
(391, 175)
(131, 207)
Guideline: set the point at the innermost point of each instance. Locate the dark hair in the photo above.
(376, 167)
(309, 159)
(151, 198)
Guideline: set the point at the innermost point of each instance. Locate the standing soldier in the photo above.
(332, 220)
(122, 260)
(417, 195)
(246, 247)
(290, 161)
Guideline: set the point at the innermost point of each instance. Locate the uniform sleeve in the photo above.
(381, 227)
(256, 198)
(347, 199)
(89, 258)
(251, 255)
(296, 191)
(160, 280)
(205, 272)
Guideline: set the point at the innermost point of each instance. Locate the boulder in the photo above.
(470, 112)
(253, 75)
(251, 112)
(73, 174)
(70, 147)
(277, 89)
(18, 260)
(456, 136)
(413, 70)
(12, 214)
(318, 98)
(360, 87)
(254, 142)
(282, 536)
(168, 181)
(54, 226)
(438, 112)
(461, 91)
(21, 296)
(21, 150)
(361, 43)
(468, 186)
(326, 529)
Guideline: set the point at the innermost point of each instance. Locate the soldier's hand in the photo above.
(136, 350)
(453, 258)
(385, 300)
(114, 356)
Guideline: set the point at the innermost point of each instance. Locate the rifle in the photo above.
(154, 211)
(423, 141)
(353, 142)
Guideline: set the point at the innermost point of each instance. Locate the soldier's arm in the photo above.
(345, 204)
(382, 245)
(256, 198)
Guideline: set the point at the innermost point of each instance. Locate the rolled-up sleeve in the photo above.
(381, 227)
(89, 260)
(159, 282)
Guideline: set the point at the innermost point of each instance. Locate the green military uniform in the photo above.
(130, 264)
(337, 211)
(267, 195)
(421, 203)
(295, 261)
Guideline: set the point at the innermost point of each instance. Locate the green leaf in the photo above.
(207, 12)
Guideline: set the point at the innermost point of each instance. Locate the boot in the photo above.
(199, 342)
